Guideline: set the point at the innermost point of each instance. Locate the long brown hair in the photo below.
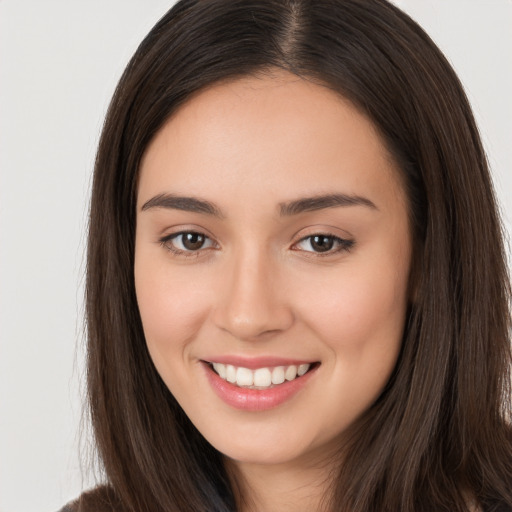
(440, 432)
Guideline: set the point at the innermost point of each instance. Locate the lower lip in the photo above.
(256, 399)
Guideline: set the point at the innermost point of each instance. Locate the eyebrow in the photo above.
(305, 204)
(308, 204)
(188, 204)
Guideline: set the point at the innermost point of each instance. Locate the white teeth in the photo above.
(291, 372)
(278, 375)
(244, 377)
(220, 369)
(303, 368)
(260, 378)
(230, 374)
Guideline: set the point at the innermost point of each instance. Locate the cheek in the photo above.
(171, 306)
(360, 312)
(359, 319)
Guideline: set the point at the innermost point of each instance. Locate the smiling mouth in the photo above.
(260, 378)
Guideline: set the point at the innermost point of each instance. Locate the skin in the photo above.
(258, 287)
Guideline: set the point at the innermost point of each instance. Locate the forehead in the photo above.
(280, 132)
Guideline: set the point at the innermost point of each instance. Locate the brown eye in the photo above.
(192, 241)
(187, 242)
(322, 243)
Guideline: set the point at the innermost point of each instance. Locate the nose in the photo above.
(252, 300)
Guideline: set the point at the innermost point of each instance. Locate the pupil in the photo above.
(322, 243)
(193, 241)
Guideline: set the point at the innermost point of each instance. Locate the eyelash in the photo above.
(167, 243)
(341, 243)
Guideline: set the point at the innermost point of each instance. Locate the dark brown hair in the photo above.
(440, 432)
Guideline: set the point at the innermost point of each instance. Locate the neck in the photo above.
(279, 488)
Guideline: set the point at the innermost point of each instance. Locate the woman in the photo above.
(296, 293)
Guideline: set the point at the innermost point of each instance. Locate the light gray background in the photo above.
(59, 62)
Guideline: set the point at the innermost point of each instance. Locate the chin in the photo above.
(266, 446)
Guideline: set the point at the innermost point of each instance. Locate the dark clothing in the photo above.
(102, 499)
(73, 507)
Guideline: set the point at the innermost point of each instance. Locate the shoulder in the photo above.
(100, 499)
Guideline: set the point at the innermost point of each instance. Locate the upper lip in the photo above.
(253, 363)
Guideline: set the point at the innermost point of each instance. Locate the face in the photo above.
(271, 265)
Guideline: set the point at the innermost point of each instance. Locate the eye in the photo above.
(324, 243)
(187, 242)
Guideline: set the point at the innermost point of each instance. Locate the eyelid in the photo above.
(165, 240)
(344, 245)
(177, 229)
(345, 241)
(322, 229)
